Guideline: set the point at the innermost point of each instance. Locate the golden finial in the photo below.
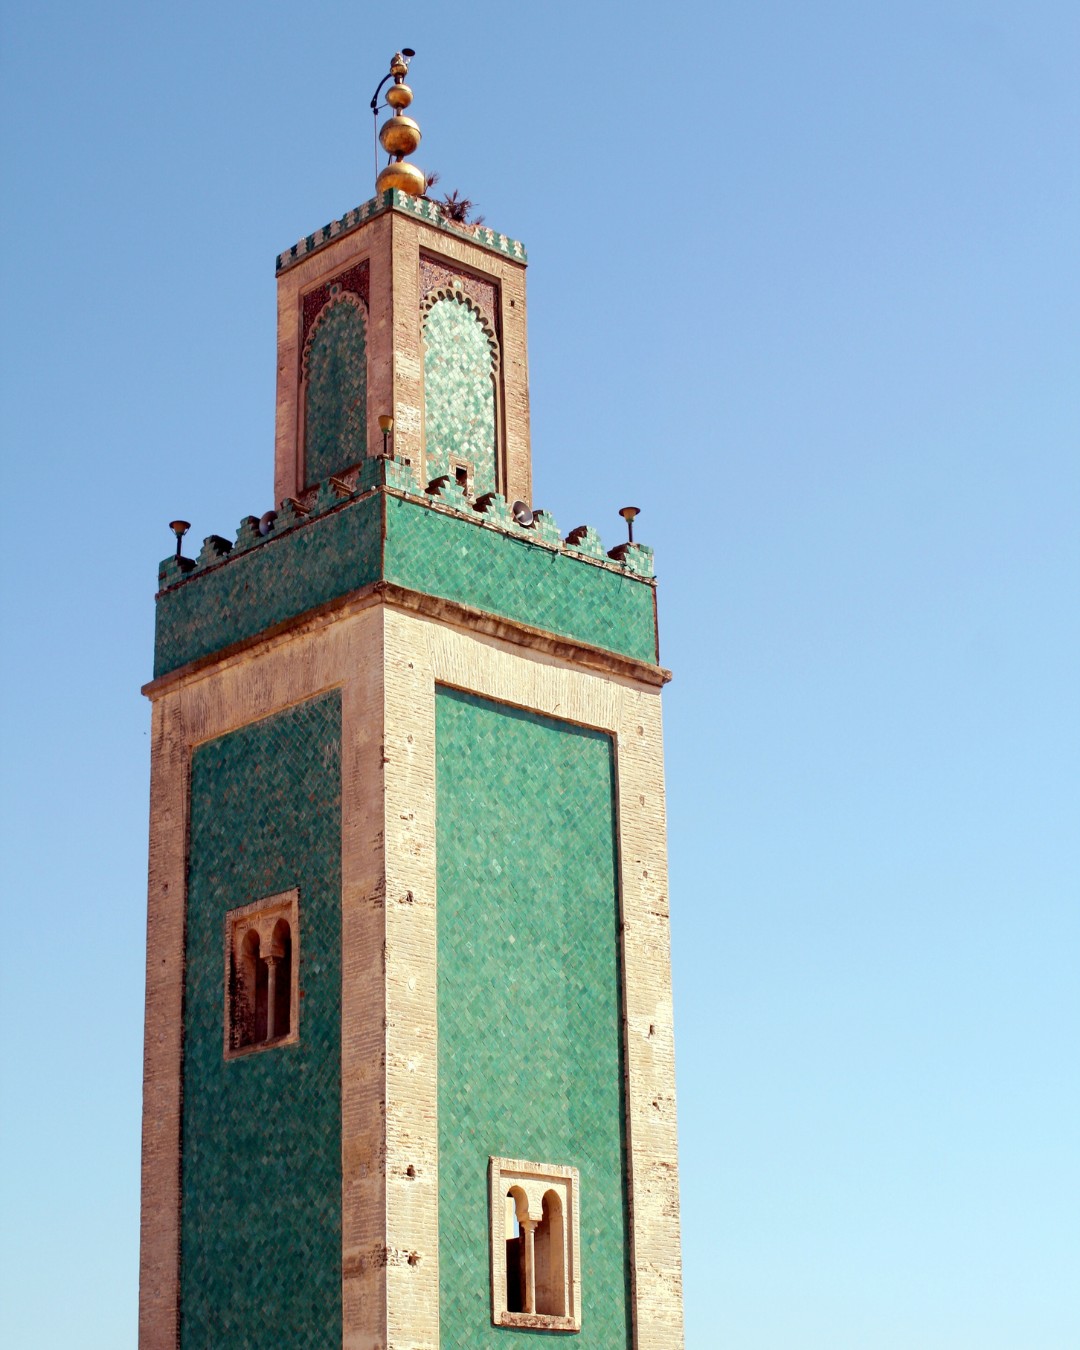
(399, 135)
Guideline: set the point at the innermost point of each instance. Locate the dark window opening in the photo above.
(261, 989)
(281, 956)
(516, 1278)
(549, 1259)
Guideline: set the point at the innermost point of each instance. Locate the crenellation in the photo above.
(247, 534)
(214, 548)
(290, 513)
(547, 531)
(331, 491)
(394, 476)
(495, 509)
(173, 569)
(421, 208)
(448, 492)
(634, 557)
(586, 541)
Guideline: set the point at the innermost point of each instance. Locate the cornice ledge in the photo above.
(451, 612)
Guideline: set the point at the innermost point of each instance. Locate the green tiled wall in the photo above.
(261, 1194)
(530, 1028)
(507, 575)
(405, 541)
(273, 581)
(335, 424)
(459, 394)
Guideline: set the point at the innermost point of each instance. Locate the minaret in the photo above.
(409, 1075)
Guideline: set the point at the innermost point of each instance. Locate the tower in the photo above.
(408, 1071)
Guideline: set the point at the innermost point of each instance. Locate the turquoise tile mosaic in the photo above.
(459, 393)
(346, 543)
(335, 365)
(530, 1022)
(508, 575)
(261, 1160)
(283, 576)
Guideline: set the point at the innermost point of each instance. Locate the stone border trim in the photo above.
(421, 653)
(504, 1172)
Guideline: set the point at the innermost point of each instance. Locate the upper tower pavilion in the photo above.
(409, 1076)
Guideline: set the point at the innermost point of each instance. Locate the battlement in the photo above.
(370, 525)
(420, 208)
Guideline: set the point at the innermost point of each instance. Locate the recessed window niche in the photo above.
(262, 974)
(535, 1275)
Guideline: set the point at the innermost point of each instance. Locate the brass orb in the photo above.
(405, 177)
(399, 96)
(399, 136)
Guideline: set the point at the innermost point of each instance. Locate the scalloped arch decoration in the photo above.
(334, 373)
(461, 363)
(463, 298)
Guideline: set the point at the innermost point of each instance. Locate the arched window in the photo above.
(549, 1247)
(261, 974)
(516, 1273)
(535, 1240)
(460, 359)
(245, 982)
(281, 1004)
(335, 390)
(261, 1000)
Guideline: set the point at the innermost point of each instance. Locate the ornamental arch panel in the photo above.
(334, 375)
(461, 364)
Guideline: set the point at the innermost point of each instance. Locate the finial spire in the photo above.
(399, 135)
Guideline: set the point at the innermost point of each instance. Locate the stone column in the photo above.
(271, 994)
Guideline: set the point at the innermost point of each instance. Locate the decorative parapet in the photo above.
(546, 529)
(370, 524)
(492, 510)
(419, 207)
(634, 557)
(586, 541)
(213, 550)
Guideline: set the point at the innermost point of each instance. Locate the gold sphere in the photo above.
(399, 96)
(405, 177)
(399, 136)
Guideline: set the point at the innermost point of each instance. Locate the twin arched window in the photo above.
(261, 977)
(535, 1256)
(534, 1250)
(262, 987)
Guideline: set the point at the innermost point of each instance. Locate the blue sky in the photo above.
(803, 286)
